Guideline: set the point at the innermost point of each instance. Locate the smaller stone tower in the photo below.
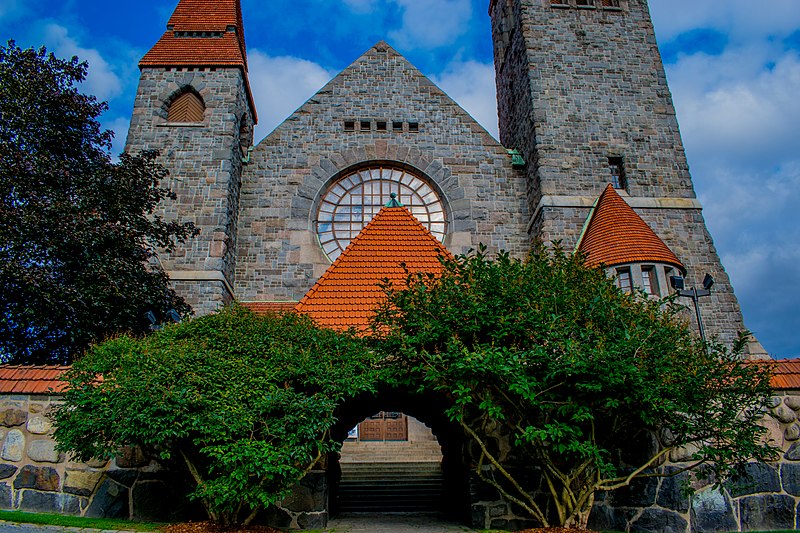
(194, 106)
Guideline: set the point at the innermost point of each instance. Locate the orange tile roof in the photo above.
(172, 51)
(616, 235)
(229, 50)
(786, 374)
(269, 307)
(17, 379)
(349, 291)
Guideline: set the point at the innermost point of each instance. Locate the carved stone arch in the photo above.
(327, 171)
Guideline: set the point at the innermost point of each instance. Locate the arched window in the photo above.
(188, 107)
(351, 202)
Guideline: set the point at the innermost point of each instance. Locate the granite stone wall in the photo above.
(205, 163)
(578, 85)
(35, 477)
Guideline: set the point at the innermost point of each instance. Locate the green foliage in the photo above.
(552, 358)
(77, 234)
(242, 402)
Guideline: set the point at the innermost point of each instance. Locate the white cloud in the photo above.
(101, 81)
(472, 85)
(280, 85)
(739, 18)
(432, 23)
(750, 113)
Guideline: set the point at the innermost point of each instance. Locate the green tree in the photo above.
(242, 403)
(78, 238)
(552, 359)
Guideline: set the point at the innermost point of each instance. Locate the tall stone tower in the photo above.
(194, 105)
(583, 95)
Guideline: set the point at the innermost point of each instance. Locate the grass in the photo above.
(77, 521)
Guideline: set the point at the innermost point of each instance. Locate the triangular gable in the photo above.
(349, 292)
(384, 79)
(616, 235)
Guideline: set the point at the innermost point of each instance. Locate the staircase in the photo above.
(405, 487)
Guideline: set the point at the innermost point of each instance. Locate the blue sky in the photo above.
(733, 67)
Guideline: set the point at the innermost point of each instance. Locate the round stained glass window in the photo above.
(350, 203)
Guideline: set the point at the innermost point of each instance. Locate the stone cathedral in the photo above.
(379, 168)
(583, 104)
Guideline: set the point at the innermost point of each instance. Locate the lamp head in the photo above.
(708, 282)
(677, 282)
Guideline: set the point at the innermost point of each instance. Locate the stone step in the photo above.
(390, 487)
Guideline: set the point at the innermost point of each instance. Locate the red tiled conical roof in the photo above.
(616, 235)
(349, 292)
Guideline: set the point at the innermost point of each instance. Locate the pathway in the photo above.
(392, 523)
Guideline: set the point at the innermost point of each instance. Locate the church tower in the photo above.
(194, 106)
(583, 96)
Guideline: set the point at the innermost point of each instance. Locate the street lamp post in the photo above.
(695, 294)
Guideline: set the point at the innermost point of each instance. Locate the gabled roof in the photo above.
(349, 292)
(18, 379)
(616, 235)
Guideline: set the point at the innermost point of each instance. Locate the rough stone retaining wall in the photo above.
(35, 477)
(769, 501)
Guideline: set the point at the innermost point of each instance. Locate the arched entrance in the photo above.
(452, 498)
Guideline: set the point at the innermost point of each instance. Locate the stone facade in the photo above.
(279, 257)
(578, 85)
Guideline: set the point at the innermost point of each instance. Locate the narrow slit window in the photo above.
(624, 279)
(617, 171)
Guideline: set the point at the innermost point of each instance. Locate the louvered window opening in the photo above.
(350, 203)
(188, 107)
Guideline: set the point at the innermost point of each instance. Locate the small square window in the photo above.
(381, 126)
(366, 125)
(397, 126)
(584, 3)
(624, 279)
(413, 127)
(616, 168)
(349, 125)
(611, 3)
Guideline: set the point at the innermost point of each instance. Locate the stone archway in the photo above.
(428, 408)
